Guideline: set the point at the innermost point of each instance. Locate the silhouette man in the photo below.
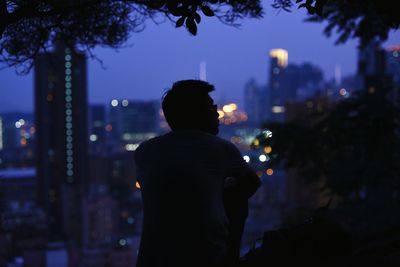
(194, 185)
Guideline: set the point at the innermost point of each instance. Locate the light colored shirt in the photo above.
(182, 178)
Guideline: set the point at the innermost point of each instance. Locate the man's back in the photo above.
(182, 179)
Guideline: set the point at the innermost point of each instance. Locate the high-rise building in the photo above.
(253, 104)
(278, 63)
(134, 121)
(289, 83)
(97, 127)
(61, 126)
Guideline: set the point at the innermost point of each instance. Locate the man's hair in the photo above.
(182, 104)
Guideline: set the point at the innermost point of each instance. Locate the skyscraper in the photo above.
(134, 121)
(61, 123)
(278, 63)
(97, 124)
(253, 103)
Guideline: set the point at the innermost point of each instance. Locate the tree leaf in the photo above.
(191, 26)
(197, 17)
(207, 11)
(180, 22)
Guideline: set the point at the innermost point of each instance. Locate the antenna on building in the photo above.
(338, 74)
(203, 71)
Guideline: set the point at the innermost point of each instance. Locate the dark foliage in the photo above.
(28, 26)
(353, 148)
(363, 19)
(324, 240)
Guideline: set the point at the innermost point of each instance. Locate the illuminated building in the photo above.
(15, 130)
(133, 121)
(290, 83)
(278, 63)
(61, 124)
(97, 127)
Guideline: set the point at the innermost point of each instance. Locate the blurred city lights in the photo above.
(108, 127)
(269, 171)
(93, 137)
(131, 147)
(229, 108)
(137, 185)
(124, 103)
(246, 158)
(267, 149)
(262, 158)
(114, 102)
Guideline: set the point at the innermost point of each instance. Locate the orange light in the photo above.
(23, 142)
(267, 149)
(269, 171)
(137, 185)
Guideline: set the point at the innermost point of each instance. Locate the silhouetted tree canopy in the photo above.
(28, 26)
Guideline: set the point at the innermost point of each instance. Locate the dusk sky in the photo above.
(161, 54)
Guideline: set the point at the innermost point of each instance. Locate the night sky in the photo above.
(161, 54)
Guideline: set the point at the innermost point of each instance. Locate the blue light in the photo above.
(68, 72)
(70, 172)
(68, 57)
(68, 65)
(68, 98)
(131, 220)
(69, 139)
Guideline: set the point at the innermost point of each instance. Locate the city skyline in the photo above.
(162, 54)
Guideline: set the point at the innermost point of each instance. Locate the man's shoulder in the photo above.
(149, 143)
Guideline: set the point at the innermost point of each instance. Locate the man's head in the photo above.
(188, 106)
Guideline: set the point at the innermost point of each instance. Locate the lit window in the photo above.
(114, 102)
(278, 109)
